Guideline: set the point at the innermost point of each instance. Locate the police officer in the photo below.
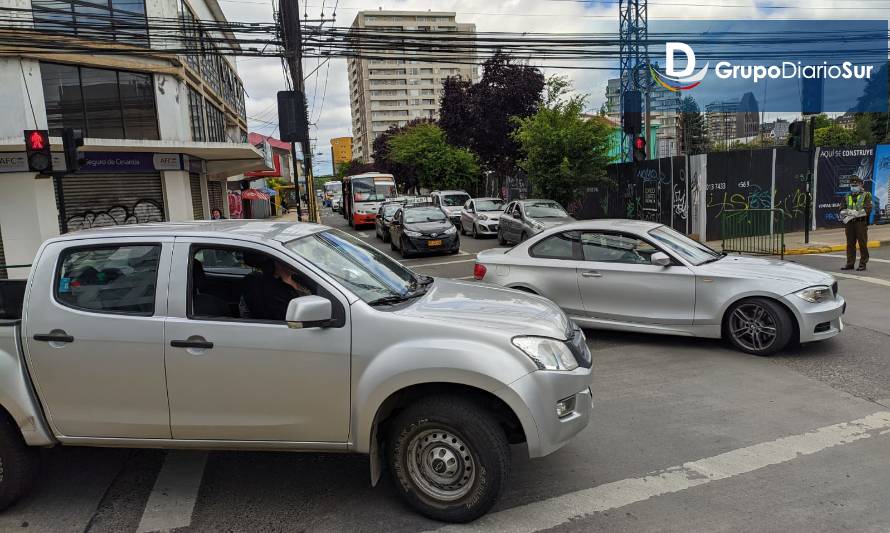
(858, 210)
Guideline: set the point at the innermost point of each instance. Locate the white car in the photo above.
(645, 277)
(480, 217)
(452, 202)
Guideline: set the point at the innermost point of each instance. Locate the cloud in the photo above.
(263, 77)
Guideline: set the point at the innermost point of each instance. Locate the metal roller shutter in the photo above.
(197, 197)
(112, 199)
(216, 195)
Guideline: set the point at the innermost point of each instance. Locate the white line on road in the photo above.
(561, 510)
(172, 500)
(867, 279)
(842, 256)
(466, 277)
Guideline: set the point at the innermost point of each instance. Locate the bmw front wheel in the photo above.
(758, 326)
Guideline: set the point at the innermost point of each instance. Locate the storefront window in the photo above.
(101, 103)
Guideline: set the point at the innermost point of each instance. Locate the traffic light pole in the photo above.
(811, 169)
(60, 198)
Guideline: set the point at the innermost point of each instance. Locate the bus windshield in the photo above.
(373, 189)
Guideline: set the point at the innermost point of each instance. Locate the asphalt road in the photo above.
(687, 435)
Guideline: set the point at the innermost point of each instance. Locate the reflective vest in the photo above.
(859, 203)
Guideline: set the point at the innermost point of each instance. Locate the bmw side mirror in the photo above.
(660, 259)
(309, 312)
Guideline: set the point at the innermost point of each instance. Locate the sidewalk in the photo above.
(827, 240)
(290, 217)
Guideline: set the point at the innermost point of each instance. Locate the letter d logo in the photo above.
(669, 49)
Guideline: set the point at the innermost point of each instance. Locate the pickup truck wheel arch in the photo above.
(399, 400)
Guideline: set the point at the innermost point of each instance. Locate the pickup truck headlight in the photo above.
(451, 231)
(547, 354)
(410, 233)
(815, 295)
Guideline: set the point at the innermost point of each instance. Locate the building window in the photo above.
(111, 20)
(105, 104)
(196, 111)
(216, 123)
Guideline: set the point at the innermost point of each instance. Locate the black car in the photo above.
(384, 217)
(423, 229)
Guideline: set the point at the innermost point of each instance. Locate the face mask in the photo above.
(856, 189)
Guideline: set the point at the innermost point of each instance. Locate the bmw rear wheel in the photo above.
(758, 326)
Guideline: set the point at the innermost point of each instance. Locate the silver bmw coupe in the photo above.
(645, 277)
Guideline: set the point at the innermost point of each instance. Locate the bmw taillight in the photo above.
(479, 271)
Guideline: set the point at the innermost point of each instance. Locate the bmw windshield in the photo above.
(690, 250)
(368, 273)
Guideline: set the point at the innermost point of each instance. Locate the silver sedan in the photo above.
(645, 277)
(480, 216)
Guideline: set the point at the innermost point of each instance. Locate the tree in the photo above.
(822, 121)
(480, 116)
(354, 167)
(864, 129)
(564, 150)
(438, 164)
(833, 135)
(874, 96)
(405, 175)
(693, 133)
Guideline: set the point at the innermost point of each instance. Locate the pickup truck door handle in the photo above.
(205, 345)
(53, 337)
(591, 274)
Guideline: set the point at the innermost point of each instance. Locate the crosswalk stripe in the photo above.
(560, 510)
(172, 500)
(866, 279)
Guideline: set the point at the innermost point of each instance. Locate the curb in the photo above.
(827, 249)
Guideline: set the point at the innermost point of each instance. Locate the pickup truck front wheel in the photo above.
(449, 458)
(18, 464)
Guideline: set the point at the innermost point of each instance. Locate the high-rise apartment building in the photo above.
(733, 120)
(399, 86)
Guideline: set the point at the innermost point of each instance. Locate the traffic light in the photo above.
(632, 112)
(639, 149)
(40, 158)
(799, 136)
(72, 140)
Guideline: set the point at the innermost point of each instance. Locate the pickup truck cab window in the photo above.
(118, 279)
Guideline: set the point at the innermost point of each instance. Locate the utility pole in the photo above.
(292, 35)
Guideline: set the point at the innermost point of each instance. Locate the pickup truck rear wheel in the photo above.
(18, 464)
(449, 458)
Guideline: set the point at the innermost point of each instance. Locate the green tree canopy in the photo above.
(693, 133)
(565, 151)
(438, 164)
(833, 135)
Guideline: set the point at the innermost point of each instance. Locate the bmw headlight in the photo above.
(814, 295)
(410, 233)
(451, 231)
(547, 353)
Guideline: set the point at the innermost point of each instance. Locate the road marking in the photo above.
(417, 265)
(842, 256)
(553, 512)
(363, 235)
(466, 277)
(867, 279)
(173, 497)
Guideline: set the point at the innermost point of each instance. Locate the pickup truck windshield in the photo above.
(364, 270)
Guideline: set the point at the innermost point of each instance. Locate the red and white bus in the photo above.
(363, 194)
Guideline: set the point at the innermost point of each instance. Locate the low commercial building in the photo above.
(341, 152)
(163, 121)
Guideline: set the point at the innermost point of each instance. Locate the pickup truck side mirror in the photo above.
(308, 312)
(660, 259)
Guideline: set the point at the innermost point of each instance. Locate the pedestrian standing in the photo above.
(856, 215)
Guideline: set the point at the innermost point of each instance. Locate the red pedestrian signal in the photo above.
(639, 149)
(37, 150)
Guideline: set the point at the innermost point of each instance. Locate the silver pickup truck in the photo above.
(277, 336)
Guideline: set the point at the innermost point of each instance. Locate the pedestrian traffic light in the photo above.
(72, 140)
(632, 112)
(639, 149)
(37, 150)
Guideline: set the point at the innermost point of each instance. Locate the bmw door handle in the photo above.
(591, 274)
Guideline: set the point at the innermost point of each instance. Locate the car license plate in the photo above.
(433, 244)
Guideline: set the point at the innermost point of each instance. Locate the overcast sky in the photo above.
(329, 108)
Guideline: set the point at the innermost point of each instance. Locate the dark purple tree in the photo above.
(480, 116)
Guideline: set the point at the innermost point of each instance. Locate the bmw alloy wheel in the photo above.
(753, 327)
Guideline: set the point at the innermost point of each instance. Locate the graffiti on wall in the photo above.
(143, 211)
